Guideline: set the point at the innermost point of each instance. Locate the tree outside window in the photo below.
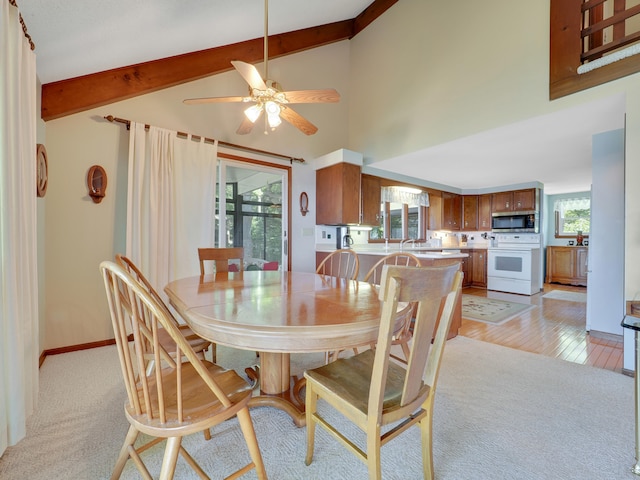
(573, 215)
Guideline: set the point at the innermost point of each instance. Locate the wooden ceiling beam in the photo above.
(66, 97)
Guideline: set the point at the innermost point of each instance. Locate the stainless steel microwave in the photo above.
(516, 222)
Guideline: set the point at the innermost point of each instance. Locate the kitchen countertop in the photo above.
(420, 252)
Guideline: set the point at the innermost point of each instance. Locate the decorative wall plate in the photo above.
(97, 183)
(304, 203)
(42, 170)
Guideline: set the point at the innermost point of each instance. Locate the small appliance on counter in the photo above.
(343, 238)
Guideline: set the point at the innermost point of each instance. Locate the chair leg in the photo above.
(373, 454)
(130, 439)
(406, 351)
(170, 458)
(246, 425)
(214, 353)
(426, 432)
(311, 402)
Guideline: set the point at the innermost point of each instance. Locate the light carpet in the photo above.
(490, 310)
(499, 414)
(565, 295)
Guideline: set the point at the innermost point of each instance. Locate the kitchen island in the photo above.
(368, 257)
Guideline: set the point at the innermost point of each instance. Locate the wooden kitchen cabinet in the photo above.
(484, 212)
(567, 265)
(470, 212)
(478, 268)
(338, 194)
(435, 211)
(514, 201)
(370, 187)
(465, 266)
(451, 211)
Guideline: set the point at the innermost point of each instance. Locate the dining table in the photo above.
(277, 313)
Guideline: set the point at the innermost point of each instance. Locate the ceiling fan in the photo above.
(267, 96)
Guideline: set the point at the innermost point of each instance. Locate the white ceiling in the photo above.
(553, 149)
(77, 37)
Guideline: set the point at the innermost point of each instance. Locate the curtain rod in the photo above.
(24, 25)
(112, 119)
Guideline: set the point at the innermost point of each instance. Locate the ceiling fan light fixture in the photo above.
(253, 112)
(272, 108)
(274, 121)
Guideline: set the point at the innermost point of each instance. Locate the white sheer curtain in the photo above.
(171, 202)
(564, 204)
(19, 346)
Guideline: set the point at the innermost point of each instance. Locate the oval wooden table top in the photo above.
(273, 311)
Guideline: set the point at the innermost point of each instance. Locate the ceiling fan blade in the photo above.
(327, 95)
(298, 121)
(245, 127)
(250, 74)
(196, 101)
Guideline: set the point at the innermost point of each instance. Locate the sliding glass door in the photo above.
(252, 213)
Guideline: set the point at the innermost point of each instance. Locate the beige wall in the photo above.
(80, 234)
(441, 75)
(411, 80)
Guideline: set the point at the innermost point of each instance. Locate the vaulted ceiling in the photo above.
(95, 53)
(92, 53)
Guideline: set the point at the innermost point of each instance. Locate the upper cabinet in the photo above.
(513, 201)
(451, 211)
(338, 194)
(470, 212)
(435, 210)
(484, 212)
(370, 188)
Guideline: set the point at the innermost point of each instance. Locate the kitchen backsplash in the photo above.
(326, 237)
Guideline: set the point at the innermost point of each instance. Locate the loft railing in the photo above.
(609, 25)
(592, 42)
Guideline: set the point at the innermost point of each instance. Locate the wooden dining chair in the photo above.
(178, 399)
(221, 258)
(403, 332)
(342, 263)
(370, 389)
(199, 344)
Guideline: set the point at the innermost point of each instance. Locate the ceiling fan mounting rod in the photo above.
(266, 39)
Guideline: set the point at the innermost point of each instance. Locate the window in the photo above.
(252, 211)
(403, 214)
(573, 215)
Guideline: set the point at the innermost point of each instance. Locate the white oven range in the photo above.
(513, 265)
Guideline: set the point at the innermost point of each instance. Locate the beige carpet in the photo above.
(492, 311)
(499, 414)
(563, 295)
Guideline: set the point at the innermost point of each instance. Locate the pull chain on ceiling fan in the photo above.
(268, 96)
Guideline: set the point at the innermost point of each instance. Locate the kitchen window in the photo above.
(403, 214)
(572, 215)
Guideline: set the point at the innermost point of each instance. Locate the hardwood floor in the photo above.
(555, 329)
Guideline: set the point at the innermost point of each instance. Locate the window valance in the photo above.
(565, 204)
(410, 196)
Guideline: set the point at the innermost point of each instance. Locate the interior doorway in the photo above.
(253, 212)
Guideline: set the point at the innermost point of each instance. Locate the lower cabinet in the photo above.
(567, 265)
(478, 273)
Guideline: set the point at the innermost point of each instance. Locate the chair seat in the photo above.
(350, 379)
(200, 406)
(196, 342)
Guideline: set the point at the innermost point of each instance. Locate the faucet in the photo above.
(412, 241)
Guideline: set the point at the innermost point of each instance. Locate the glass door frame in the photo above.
(227, 160)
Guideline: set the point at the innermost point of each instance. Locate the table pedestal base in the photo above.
(278, 389)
